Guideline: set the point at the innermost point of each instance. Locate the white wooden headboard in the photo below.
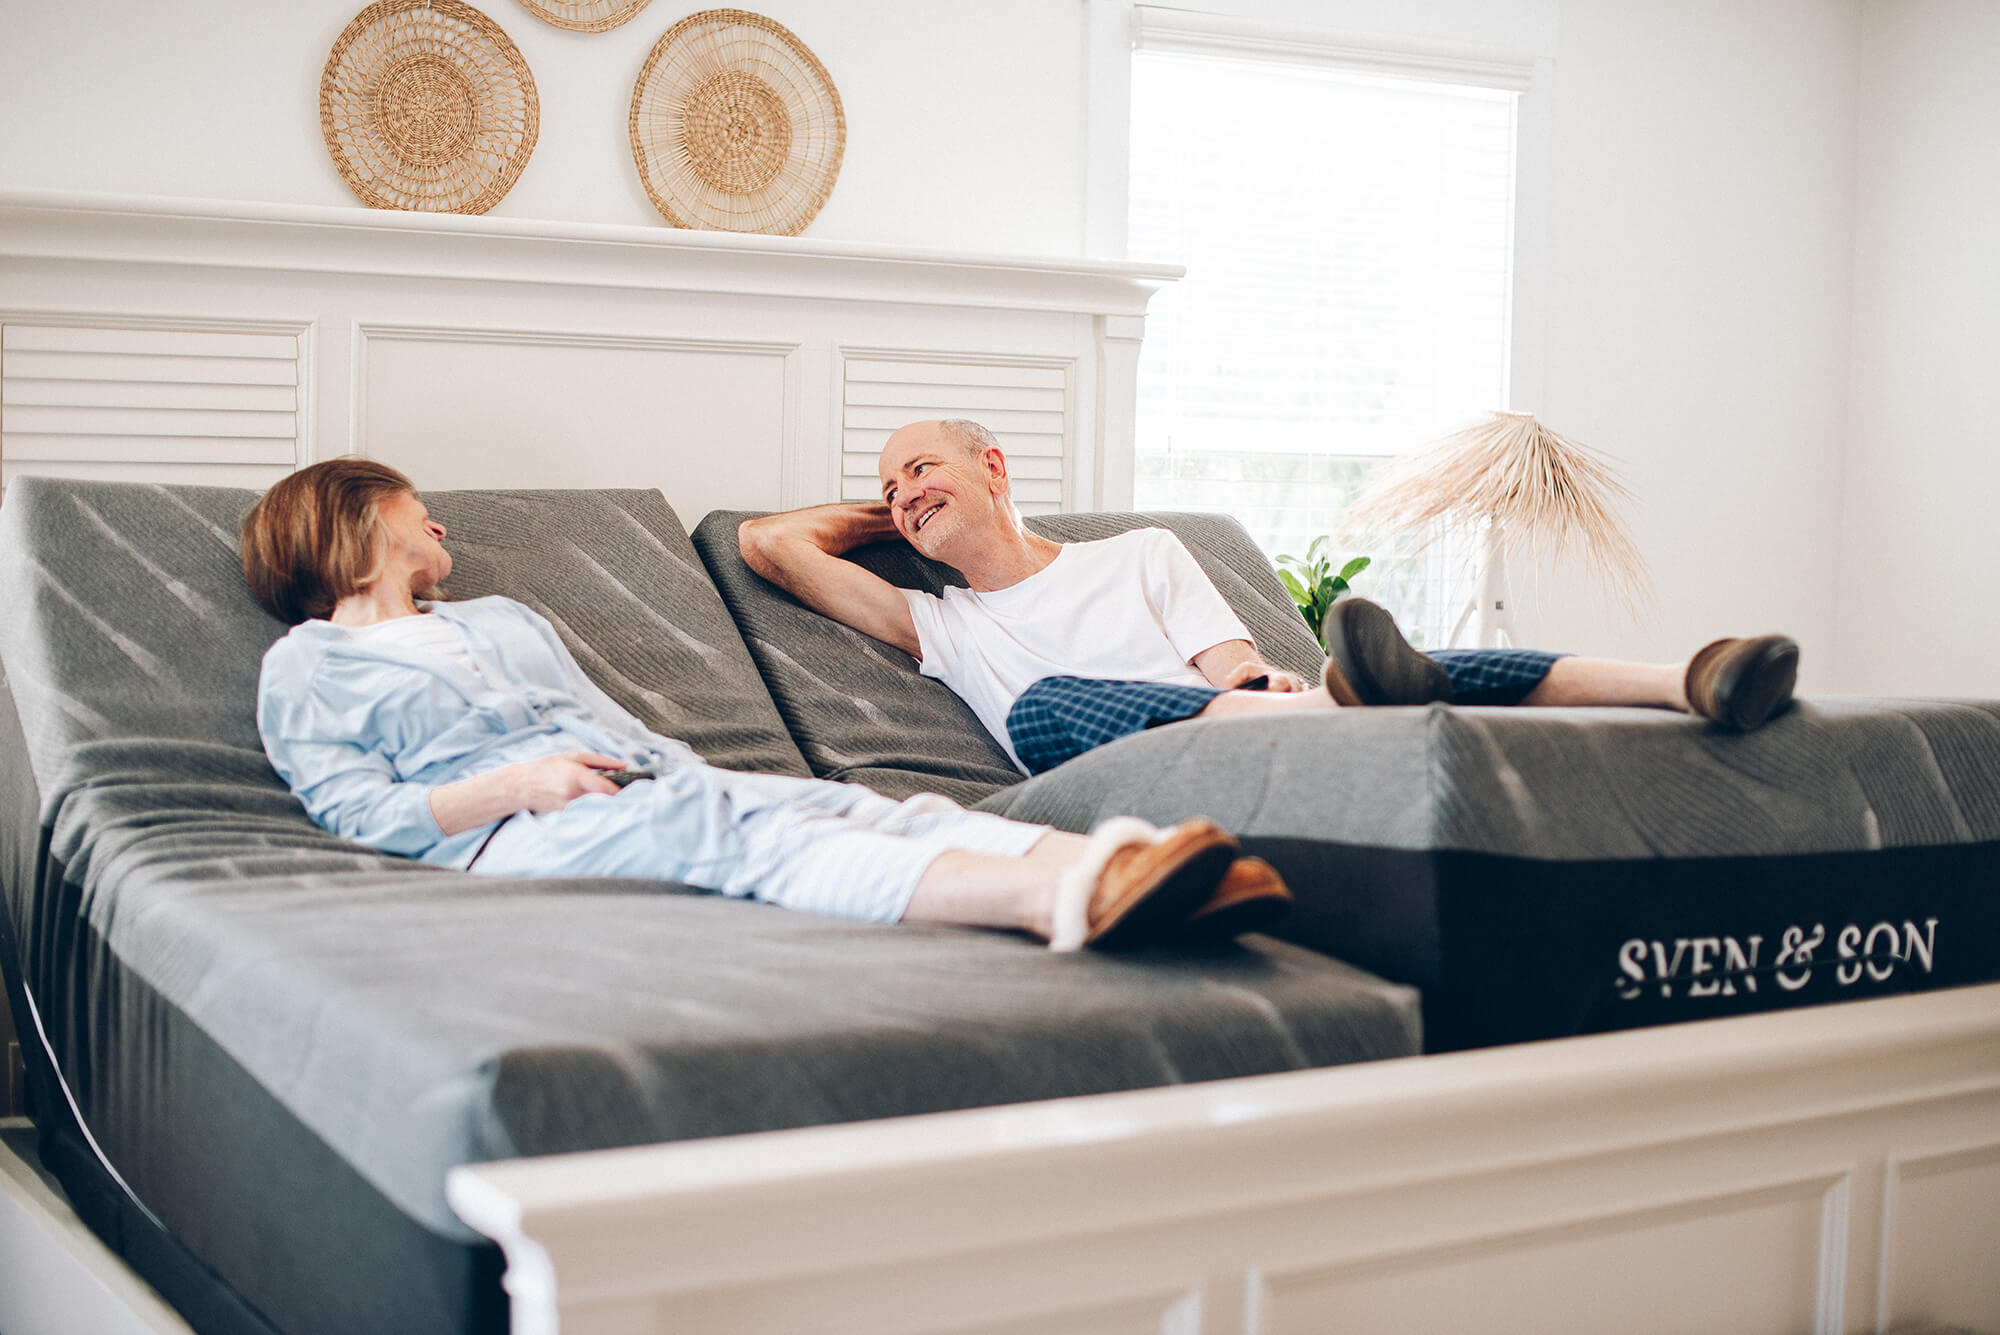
(205, 342)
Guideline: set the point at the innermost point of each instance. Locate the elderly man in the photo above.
(1062, 647)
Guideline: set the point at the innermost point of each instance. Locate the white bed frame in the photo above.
(1833, 1170)
(1827, 1170)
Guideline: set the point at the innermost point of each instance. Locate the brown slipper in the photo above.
(1251, 898)
(1135, 883)
(1742, 684)
(1368, 662)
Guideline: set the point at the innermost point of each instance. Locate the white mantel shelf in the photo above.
(361, 241)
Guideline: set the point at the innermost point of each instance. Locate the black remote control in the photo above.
(621, 777)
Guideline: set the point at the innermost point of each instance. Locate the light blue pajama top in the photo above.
(363, 729)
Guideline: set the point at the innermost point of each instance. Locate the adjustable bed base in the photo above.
(289, 1049)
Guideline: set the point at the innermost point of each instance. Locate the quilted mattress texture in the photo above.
(410, 1018)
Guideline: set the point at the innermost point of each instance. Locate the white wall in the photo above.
(1698, 257)
(1714, 309)
(963, 125)
(1920, 544)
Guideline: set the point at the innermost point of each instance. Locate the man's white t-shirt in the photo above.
(1133, 607)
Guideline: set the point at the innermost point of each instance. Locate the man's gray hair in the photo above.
(968, 435)
(975, 440)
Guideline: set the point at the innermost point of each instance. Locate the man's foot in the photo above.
(1368, 662)
(1136, 883)
(1741, 684)
(1252, 896)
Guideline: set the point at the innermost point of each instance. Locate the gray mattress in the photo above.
(1540, 873)
(408, 1018)
(1535, 871)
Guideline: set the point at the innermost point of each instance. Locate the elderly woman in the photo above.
(464, 734)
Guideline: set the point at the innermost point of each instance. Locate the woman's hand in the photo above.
(548, 784)
(553, 782)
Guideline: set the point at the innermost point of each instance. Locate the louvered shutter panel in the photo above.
(1025, 406)
(169, 405)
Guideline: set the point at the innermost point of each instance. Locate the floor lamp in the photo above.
(1525, 490)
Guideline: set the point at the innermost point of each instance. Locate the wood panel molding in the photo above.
(1772, 1130)
(1972, 1168)
(794, 485)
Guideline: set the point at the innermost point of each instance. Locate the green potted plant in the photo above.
(1313, 584)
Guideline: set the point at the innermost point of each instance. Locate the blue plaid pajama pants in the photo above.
(1060, 717)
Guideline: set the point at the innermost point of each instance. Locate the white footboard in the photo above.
(1835, 1169)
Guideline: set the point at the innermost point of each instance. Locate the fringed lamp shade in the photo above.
(1529, 492)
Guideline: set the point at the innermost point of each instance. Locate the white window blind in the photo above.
(1348, 241)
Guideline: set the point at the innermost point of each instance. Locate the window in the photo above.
(1348, 239)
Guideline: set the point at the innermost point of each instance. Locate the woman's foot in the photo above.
(1135, 884)
(1368, 662)
(1251, 898)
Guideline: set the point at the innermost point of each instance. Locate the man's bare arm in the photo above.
(1234, 662)
(800, 551)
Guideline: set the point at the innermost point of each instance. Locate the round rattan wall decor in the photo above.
(426, 105)
(585, 15)
(736, 126)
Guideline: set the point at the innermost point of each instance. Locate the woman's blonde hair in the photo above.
(315, 537)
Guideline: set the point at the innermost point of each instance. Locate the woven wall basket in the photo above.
(426, 105)
(585, 15)
(736, 126)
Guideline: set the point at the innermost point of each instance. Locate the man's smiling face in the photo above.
(935, 490)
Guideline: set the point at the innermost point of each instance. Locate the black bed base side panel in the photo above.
(208, 1305)
(1510, 950)
(266, 1229)
(269, 1232)
(190, 1288)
